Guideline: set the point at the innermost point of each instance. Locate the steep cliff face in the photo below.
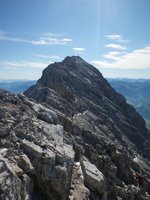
(72, 137)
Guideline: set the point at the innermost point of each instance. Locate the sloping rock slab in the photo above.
(94, 179)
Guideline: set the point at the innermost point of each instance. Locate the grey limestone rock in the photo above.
(94, 179)
(10, 184)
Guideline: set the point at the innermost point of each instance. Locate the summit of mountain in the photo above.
(72, 136)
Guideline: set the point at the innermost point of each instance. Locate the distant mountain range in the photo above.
(137, 93)
(16, 86)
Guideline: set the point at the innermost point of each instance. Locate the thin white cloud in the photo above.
(4, 36)
(66, 40)
(47, 56)
(79, 49)
(22, 63)
(49, 34)
(114, 55)
(137, 59)
(116, 37)
(14, 39)
(117, 53)
(51, 41)
(45, 39)
(2, 32)
(115, 46)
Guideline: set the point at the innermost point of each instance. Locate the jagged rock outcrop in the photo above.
(36, 158)
(73, 137)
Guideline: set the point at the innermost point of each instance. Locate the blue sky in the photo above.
(113, 35)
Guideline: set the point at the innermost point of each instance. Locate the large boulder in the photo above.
(94, 179)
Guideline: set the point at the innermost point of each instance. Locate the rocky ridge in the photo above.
(72, 137)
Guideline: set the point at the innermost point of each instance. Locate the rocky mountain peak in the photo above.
(72, 136)
(77, 87)
(70, 70)
(73, 59)
(75, 76)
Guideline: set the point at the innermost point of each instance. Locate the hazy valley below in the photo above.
(16, 86)
(137, 93)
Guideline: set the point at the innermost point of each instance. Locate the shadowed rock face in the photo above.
(72, 137)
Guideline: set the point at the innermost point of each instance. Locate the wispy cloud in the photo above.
(115, 46)
(44, 39)
(137, 59)
(47, 56)
(2, 32)
(6, 37)
(22, 63)
(51, 41)
(79, 49)
(49, 34)
(114, 55)
(116, 37)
